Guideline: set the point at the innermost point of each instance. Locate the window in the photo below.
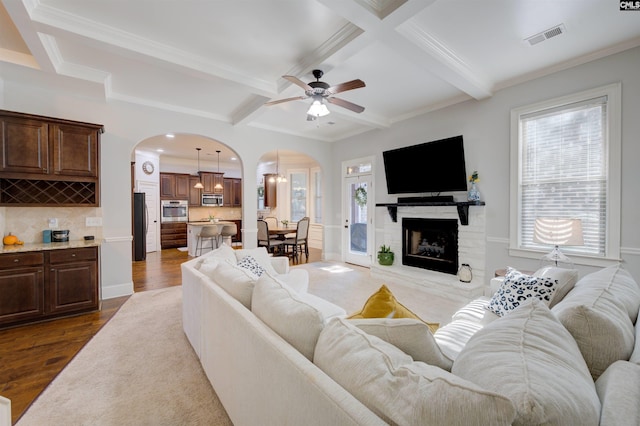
(566, 164)
(298, 185)
(317, 195)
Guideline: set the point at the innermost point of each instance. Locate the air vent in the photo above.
(546, 34)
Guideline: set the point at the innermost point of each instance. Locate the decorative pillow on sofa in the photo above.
(566, 278)
(400, 390)
(517, 288)
(619, 393)
(597, 313)
(222, 253)
(251, 265)
(261, 256)
(530, 358)
(236, 281)
(383, 304)
(411, 336)
(297, 317)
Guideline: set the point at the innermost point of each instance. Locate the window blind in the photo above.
(564, 171)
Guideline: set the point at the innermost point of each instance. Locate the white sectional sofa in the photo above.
(277, 355)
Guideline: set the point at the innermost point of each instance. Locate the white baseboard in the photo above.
(112, 291)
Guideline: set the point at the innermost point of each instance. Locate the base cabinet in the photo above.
(39, 285)
(173, 235)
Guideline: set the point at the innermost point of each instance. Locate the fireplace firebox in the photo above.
(430, 244)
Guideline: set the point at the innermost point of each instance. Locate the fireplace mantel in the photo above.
(462, 206)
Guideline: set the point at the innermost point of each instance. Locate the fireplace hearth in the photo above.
(430, 244)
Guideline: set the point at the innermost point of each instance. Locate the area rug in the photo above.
(138, 370)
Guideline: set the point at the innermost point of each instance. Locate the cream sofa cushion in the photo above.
(529, 357)
(566, 279)
(260, 254)
(297, 317)
(224, 252)
(477, 311)
(238, 282)
(453, 337)
(400, 390)
(635, 355)
(597, 313)
(411, 336)
(619, 391)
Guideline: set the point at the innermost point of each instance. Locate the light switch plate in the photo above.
(53, 222)
(93, 221)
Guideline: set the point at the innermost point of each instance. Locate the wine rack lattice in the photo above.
(49, 192)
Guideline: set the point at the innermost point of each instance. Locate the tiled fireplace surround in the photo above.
(471, 250)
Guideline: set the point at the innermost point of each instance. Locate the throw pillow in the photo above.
(566, 278)
(529, 357)
(260, 254)
(517, 288)
(411, 336)
(400, 390)
(251, 265)
(383, 304)
(297, 317)
(222, 253)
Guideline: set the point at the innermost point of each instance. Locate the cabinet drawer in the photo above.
(17, 260)
(73, 255)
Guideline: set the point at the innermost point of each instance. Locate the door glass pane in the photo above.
(298, 196)
(358, 218)
(317, 205)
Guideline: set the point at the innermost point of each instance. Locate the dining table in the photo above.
(281, 233)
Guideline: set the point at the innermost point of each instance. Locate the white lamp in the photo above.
(557, 232)
(318, 108)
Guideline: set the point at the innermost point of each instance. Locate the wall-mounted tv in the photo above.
(431, 167)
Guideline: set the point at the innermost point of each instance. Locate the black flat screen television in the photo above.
(431, 167)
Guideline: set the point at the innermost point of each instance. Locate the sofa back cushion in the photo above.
(411, 336)
(566, 280)
(400, 390)
(599, 313)
(619, 393)
(235, 280)
(296, 317)
(529, 357)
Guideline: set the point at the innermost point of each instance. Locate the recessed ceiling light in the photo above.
(170, 135)
(160, 150)
(233, 158)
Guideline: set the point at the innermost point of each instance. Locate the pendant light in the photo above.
(199, 184)
(278, 178)
(218, 185)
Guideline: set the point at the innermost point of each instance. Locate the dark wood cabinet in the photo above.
(195, 197)
(270, 190)
(173, 235)
(48, 161)
(174, 186)
(39, 285)
(238, 237)
(232, 196)
(210, 180)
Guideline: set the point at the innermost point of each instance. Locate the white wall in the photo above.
(125, 126)
(485, 126)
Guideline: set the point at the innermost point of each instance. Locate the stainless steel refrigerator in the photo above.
(140, 226)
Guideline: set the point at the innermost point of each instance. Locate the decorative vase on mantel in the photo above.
(474, 194)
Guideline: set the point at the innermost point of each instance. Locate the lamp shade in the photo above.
(558, 231)
(318, 109)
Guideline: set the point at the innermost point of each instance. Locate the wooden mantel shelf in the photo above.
(462, 206)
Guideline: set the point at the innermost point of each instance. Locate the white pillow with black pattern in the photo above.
(251, 264)
(517, 288)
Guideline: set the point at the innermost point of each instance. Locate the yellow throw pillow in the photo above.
(383, 304)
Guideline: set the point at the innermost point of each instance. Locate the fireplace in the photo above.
(430, 244)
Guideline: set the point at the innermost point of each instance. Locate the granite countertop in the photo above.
(206, 222)
(49, 246)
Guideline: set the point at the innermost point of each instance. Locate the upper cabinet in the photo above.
(232, 192)
(174, 186)
(48, 161)
(195, 198)
(270, 190)
(213, 182)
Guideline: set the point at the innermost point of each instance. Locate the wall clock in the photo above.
(147, 167)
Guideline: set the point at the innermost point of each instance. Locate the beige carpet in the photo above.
(138, 370)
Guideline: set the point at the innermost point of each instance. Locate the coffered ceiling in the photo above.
(224, 59)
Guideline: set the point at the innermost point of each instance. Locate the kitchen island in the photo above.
(194, 228)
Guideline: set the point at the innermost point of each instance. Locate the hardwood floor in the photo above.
(33, 355)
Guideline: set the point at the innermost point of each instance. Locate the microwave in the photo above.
(174, 211)
(212, 200)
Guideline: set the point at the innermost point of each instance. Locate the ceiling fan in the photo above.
(320, 92)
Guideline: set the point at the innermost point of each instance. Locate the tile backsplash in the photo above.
(27, 223)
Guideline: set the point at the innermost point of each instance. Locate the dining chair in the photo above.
(299, 241)
(208, 232)
(265, 240)
(271, 221)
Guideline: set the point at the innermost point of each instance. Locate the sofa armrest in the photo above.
(280, 264)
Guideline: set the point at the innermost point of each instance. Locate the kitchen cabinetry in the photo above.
(48, 161)
(195, 198)
(232, 192)
(174, 186)
(173, 235)
(270, 190)
(238, 237)
(210, 180)
(40, 285)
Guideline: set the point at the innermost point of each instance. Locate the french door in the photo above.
(358, 215)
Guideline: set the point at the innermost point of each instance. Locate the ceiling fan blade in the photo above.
(297, 82)
(346, 104)
(279, 101)
(343, 87)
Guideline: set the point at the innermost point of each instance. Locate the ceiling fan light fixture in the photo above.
(318, 109)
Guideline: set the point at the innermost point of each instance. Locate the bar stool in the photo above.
(208, 232)
(228, 232)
